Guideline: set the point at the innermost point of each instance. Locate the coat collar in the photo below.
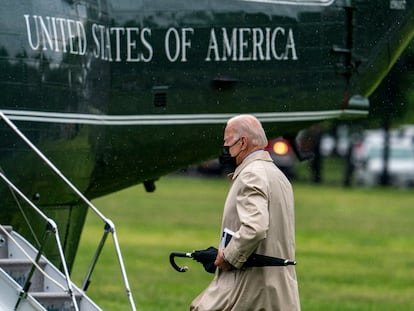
(264, 156)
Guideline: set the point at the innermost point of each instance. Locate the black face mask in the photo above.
(227, 161)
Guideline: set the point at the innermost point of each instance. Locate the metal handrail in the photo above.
(52, 228)
(39, 268)
(108, 223)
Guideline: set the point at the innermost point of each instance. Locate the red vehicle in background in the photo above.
(283, 155)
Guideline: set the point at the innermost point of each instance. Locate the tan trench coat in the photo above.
(260, 209)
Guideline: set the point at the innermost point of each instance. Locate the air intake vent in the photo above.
(160, 96)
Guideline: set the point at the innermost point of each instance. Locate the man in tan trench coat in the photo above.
(259, 209)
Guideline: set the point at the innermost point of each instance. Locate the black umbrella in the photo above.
(208, 256)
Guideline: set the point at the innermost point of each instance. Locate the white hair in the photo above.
(251, 127)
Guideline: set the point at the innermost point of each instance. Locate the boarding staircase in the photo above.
(28, 280)
(31, 282)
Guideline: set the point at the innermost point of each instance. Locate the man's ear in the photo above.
(244, 142)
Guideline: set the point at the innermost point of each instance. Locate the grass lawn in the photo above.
(354, 246)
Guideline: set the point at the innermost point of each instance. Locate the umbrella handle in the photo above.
(179, 254)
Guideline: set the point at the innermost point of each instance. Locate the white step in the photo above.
(44, 293)
(56, 301)
(19, 270)
(9, 294)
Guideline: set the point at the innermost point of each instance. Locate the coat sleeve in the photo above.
(253, 213)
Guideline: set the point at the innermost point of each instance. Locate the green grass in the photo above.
(354, 246)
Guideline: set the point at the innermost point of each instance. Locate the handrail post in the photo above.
(28, 282)
(95, 258)
(123, 270)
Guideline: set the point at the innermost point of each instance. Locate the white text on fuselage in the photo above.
(133, 44)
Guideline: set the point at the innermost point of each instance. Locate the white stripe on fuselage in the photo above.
(171, 119)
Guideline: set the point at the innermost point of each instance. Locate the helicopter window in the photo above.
(296, 2)
(125, 5)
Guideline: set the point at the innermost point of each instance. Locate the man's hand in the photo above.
(221, 263)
